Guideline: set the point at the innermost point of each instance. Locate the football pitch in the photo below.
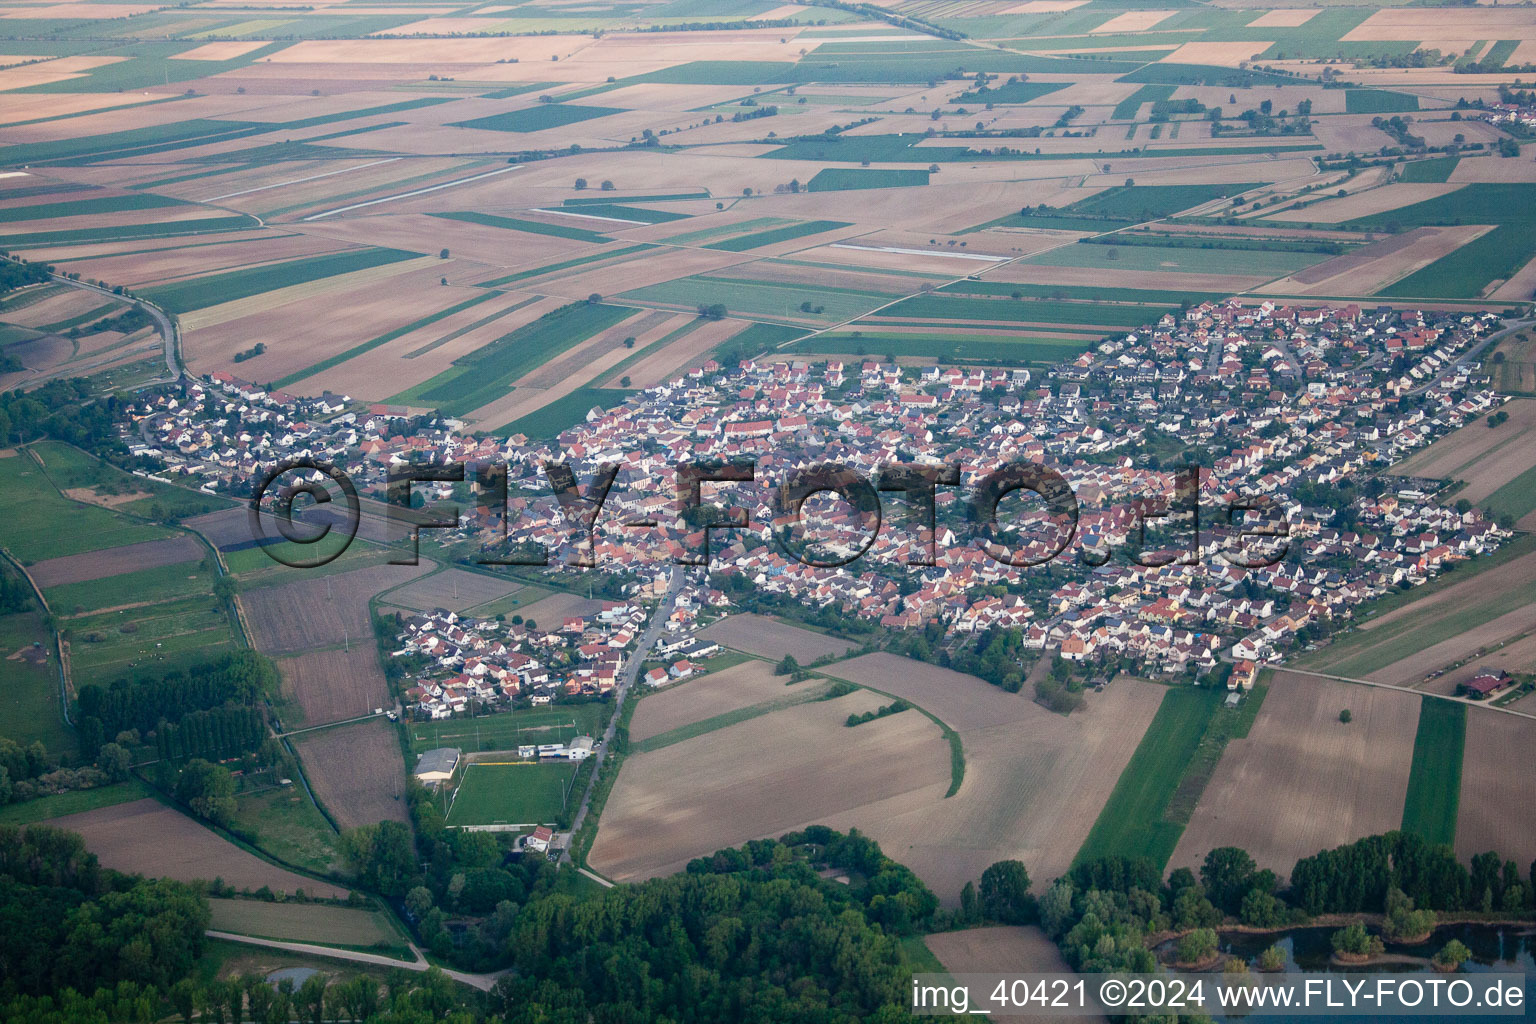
(505, 793)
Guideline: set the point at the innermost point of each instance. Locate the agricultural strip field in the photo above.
(356, 771)
(837, 179)
(29, 700)
(1434, 784)
(1000, 949)
(770, 236)
(563, 413)
(1486, 458)
(1302, 781)
(108, 644)
(217, 289)
(1496, 788)
(507, 730)
(148, 838)
(494, 793)
(749, 298)
(536, 119)
(487, 373)
(1472, 609)
(802, 695)
(1132, 823)
(1034, 781)
(304, 922)
(769, 638)
(93, 565)
(533, 227)
(37, 523)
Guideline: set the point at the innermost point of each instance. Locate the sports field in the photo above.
(496, 793)
(507, 730)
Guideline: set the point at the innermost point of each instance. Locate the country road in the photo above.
(626, 680)
(483, 982)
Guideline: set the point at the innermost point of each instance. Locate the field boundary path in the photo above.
(626, 680)
(1407, 689)
(483, 982)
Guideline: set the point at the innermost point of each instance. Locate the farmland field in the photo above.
(453, 589)
(511, 794)
(1303, 781)
(1131, 823)
(333, 685)
(29, 701)
(1434, 786)
(1491, 794)
(356, 772)
(309, 613)
(147, 837)
(769, 638)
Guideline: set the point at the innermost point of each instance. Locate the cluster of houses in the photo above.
(1285, 404)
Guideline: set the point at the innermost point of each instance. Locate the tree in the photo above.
(1056, 907)
(1452, 955)
(581, 183)
(1227, 874)
(746, 192)
(418, 901)
(624, 381)
(442, 254)
(787, 666)
(594, 298)
(187, 999)
(606, 186)
(311, 999)
(970, 906)
(1355, 941)
(1272, 959)
(208, 789)
(629, 342)
(1197, 947)
(1346, 716)
(1005, 893)
(114, 760)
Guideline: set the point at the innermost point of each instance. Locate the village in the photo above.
(1299, 408)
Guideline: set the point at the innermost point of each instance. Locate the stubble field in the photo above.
(357, 772)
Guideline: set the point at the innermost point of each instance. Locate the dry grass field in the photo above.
(357, 772)
(550, 611)
(1302, 781)
(322, 611)
(333, 685)
(95, 565)
(764, 777)
(1034, 781)
(1497, 789)
(149, 838)
(772, 639)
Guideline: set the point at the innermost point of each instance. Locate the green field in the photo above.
(767, 299)
(1091, 293)
(1378, 101)
(72, 802)
(307, 922)
(1434, 784)
(550, 268)
(161, 583)
(1136, 203)
(1515, 499)
(69, 467)
(1435, 169)
(29, 699)
(639, 213)
(162, 636)
(836, 179)
(531, 227)
(949, 306)
(538, 118)
(995, 350)
(1176, 259)
(1132, 823)
(487, 373)
(557, 723)
(37, 522)
(123, 232)
(1127, 108)
(563, 413)
(758, 239)
(85, 207)
(183, 296)
(286, 823)
(512, 794)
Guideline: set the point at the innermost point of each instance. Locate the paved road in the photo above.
(483, 982)
(163, 324)
(1472, 353)
(1404, 689)
(627, 679)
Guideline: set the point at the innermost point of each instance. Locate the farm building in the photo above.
(1486, 684)
(540, 839)
(437, 765)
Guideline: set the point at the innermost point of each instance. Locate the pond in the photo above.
(299, 975)
(1495, 949)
